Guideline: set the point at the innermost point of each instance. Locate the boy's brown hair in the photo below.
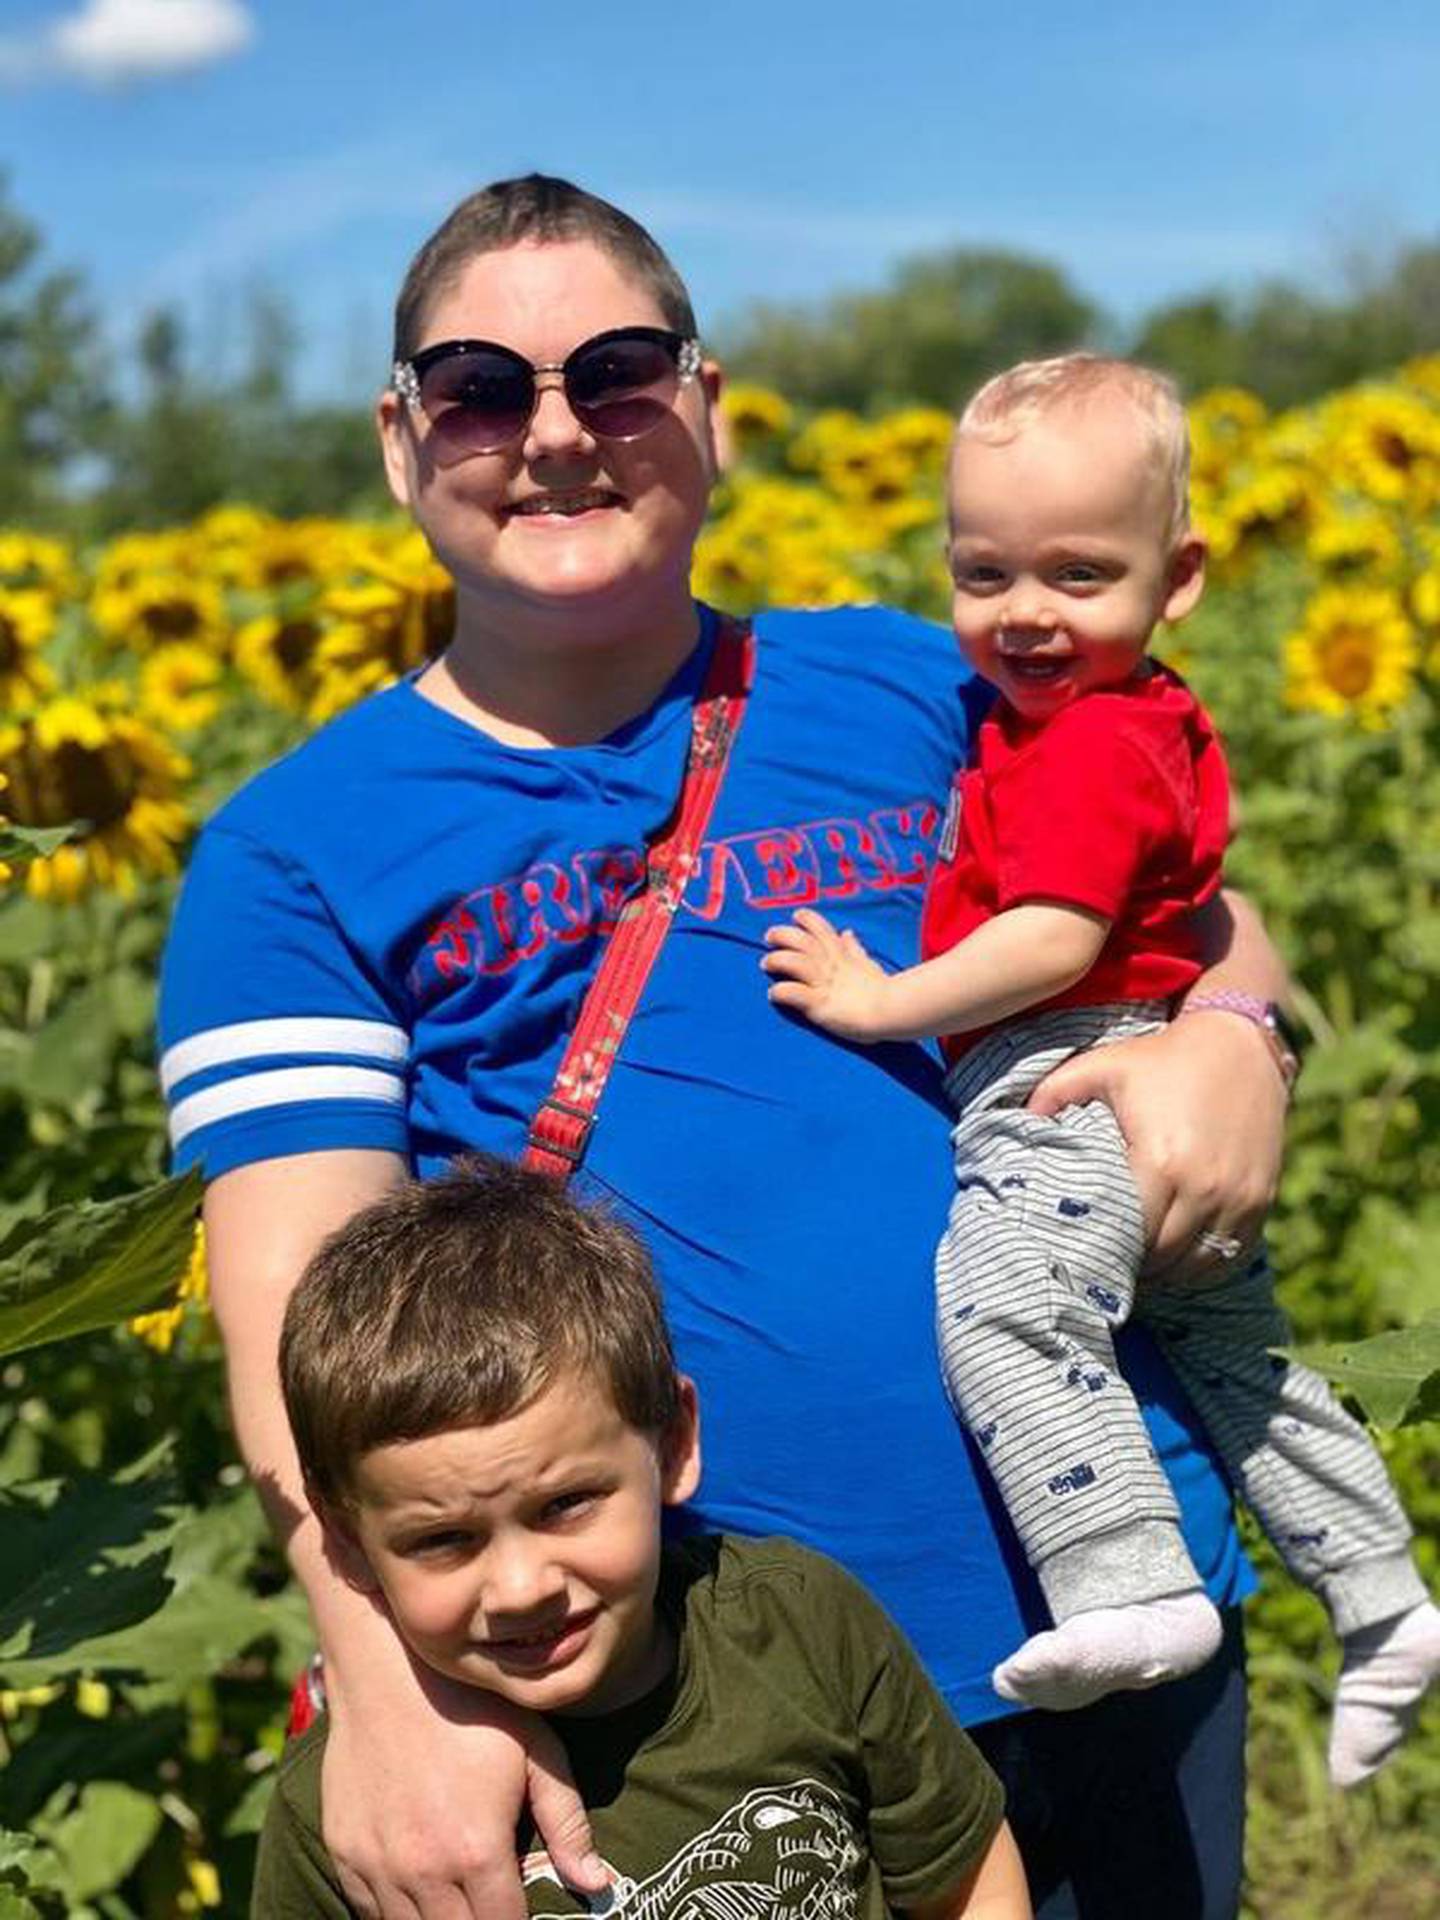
(454, 1302)
(538, 207)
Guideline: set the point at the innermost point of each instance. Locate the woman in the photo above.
(379, 952)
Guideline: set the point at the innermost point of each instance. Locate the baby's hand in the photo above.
(826, 975)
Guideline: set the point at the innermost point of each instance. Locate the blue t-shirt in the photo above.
(382, 941)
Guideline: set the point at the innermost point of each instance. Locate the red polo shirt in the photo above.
(1119, 803)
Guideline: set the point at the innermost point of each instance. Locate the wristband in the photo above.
(1280, 1031)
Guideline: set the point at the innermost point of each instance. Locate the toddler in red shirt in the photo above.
(1076, 850)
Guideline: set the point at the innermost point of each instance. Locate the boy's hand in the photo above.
(826, 975)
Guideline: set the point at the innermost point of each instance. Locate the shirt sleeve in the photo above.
(934, 1804)
(295, 1878)
(1082, 811)
(275, 1038)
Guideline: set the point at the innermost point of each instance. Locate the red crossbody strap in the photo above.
(561, 1129)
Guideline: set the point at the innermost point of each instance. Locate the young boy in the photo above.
(1079, 844)
(487, 1410)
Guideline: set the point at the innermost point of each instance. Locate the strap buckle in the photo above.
(563, 1149)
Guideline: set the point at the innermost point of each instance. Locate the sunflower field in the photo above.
(147, 1627)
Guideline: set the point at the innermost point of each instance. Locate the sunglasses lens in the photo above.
(622, 387)
(478, 402)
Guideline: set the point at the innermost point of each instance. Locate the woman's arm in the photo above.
(1202, 1105)
(423, 1780)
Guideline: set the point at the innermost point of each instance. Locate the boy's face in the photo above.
(1061, 555)
(523, 1557)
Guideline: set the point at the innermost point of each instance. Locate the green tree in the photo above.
(944, 322)
(1290, 345)
(53, 399)
(192, 443)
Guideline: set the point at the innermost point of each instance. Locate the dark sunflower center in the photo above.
(1395, 451)
(294, 643)
(97, 784)
(1350, 664)
(172, 619)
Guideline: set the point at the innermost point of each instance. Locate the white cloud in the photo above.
(113, 41)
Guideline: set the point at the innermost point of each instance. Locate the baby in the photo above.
(1077, 847)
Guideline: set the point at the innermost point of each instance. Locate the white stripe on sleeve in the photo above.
(284, 1087)
(253, 1039)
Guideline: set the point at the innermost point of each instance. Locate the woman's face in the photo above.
(560, 522)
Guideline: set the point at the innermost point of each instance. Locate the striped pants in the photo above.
(1037, 1265)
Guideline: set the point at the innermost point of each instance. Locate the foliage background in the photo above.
(143, 676)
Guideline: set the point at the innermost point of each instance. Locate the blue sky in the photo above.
(185, 150)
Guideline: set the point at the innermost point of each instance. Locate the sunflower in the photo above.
(1275, 502)
(751, 415)
(920, 435)
(90, 761)
(1386, 445)
(378, 630)
(35, 560)
(130, 556)
(227, 538)
(1350, 543)
(180, 687)
(1354, 656)
(28, 617)
(158, 1329)
(287, 553)
(1422, 374)
(278, 656)
(417, 618)
(158, 607)
(1224, 425)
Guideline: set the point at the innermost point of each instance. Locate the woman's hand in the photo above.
(1202, 1107)
(419, 1809)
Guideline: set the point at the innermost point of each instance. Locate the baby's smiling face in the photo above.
(1062, 553)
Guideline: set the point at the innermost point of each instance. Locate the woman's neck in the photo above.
(533, 689)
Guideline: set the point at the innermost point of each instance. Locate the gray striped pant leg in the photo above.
(1035, 1268)
(1309, 1473)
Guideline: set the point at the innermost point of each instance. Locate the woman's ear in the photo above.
(395, 450)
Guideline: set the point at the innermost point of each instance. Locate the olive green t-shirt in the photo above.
(797, 1762)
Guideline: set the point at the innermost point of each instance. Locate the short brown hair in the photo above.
(1034, 388)
(535, 207)
(454, 1302)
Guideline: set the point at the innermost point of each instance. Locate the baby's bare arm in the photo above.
(1021, 957)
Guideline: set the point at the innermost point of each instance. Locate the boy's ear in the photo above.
(342, 1545)
(680, 1448)
(1187, 577)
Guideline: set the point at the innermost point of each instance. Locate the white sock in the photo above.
(1110, 1649)
(1386, 1671)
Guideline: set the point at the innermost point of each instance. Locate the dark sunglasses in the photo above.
(479, 397)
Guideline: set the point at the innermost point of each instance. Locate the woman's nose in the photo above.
(554, 427)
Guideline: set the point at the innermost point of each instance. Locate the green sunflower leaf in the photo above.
(93, 1264)
(1395, 1376)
